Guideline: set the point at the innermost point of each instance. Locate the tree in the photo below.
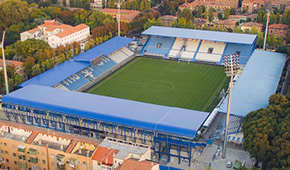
(233, 11)
(186, 13)
(260, 39)
(141, 7)
(12, 12)
(205, 14)
(173, 11)
(199, 12)
(210, 15)
(272, 41)
(280, 40)
(44, 4)
(272, 19)
(260, 16)
(147, 6)
(220, 16)
(284, 17)
(278, 18)
(227, 13)
(266, 133)
(28, 64)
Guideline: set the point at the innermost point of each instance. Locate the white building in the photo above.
(56, 33)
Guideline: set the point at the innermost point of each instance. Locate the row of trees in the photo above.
(274, 18)
(143, 5)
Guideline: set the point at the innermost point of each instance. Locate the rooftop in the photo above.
(153, 117)
(201, 35)
(126, 15)
(279, 26)
(10, 62)
(71, 30)
(133, 164)
(124, 149)
(257, 83)
(105, 155)
(252, 24)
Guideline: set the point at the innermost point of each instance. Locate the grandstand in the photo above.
(86, 67)
(197, 45)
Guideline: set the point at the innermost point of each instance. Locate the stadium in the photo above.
(162, 97)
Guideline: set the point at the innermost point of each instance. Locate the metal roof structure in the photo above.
(76, 64)
(56, 74)
(201, 35)
(105, 48)
(153, 117)
(257, 83)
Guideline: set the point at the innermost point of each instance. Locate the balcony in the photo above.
(60, 159)
(72, 162)
(33, 160)
(21, 148)
(32, 151)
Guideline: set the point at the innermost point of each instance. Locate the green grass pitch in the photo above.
(163, 82)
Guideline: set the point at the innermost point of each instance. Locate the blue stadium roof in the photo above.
(125, 112)
(57, 74)
(105, 48)
(257, 83)
(201, 35)
(76, 64)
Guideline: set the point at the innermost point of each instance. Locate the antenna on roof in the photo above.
(4, 64)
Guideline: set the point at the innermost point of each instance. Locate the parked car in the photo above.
(229, 164)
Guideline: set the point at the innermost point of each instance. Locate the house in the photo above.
(251, 6)
(200, 22)
(228, 24)
(103, 158)
(238, 17)
(251, 25)
(56, 33)
(133, 164)
(219, 5)
(278, 30)
(126, 15)
(168, 19)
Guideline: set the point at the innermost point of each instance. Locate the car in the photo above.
(229, 164)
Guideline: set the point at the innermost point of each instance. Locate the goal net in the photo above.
(184, 60)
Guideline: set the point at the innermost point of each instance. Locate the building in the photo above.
(251, 25)
(17, 64)
(133, 164)
(238, 17)
(126, 15)
(27, 147)
(251, 6)
(200, 22)
(79, 33)
(56, 33)
(227, 24)
(168, 19)
(278, 30)
(96, 4)
(219, 5)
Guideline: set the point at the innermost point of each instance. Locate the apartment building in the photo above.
(25, 147)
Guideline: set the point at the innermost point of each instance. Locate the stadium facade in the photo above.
(48, 100)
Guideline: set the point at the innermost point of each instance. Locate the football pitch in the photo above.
(163, 82)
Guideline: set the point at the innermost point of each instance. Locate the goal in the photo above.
(184, 60)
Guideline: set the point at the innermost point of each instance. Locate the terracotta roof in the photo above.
(31, 138)
(104, 155)
(34, 30)
(55, 25)
(133, 164)
(279, 26)
(252, 24)
(10, 62)
(127, 15)
(71, 30)
(71, 146)
(226, 22)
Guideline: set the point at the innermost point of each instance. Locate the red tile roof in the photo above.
(104, 155)
(31, 138)
(126, 15)
(33, 30)
(10, 62)
(132, 164)
(252, 24)
(71, 146)
(279, 26)
(71, 30)
(51, 26)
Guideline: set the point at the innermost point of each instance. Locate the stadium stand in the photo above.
(94, 115)
(80, 70)
(198, 45)
(159, 46)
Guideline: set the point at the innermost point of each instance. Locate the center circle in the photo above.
(158, 85)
